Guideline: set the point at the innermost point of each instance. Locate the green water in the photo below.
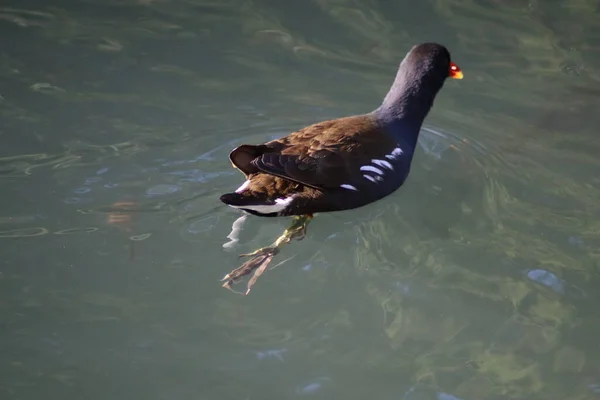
(477, 280)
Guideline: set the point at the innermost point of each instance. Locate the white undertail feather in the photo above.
(234, 235)
(280, 205)
(243, 187)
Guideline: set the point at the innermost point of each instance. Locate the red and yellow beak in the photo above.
(455, 71)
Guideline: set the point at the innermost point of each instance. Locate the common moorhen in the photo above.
(338, 164)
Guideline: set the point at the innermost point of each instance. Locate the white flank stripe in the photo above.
(383, 163)
(394, 154)
(243, 187)
(349, 187)
(397, 151)
(369, 177)
(370, 168)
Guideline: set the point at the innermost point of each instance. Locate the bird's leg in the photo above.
(263, 256)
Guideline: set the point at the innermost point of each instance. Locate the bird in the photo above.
(338, 164)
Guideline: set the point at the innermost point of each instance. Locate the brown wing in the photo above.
(324, 155)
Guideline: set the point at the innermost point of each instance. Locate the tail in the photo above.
(233, 199)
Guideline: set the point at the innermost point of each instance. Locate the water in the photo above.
(477, 280)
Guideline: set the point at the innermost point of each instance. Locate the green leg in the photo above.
(263, 256)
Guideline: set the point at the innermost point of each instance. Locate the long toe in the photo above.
(265, 251)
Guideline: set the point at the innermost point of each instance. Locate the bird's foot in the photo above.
(259, 262)
(262, 257)
(263, 251)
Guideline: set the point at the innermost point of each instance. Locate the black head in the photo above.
(429, 64)
(421, 75)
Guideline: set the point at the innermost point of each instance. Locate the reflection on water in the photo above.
(475, 281)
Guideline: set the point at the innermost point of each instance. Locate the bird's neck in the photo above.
(405, 107)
